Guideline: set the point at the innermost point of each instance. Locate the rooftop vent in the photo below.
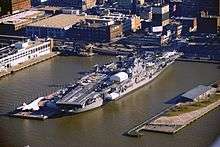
(21, 45)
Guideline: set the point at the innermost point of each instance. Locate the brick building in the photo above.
(95, 32)
(14, 6)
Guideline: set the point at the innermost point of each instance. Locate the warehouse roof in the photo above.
(59, 21)
(196, 92)
(23, 16)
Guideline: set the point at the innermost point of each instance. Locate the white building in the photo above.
(199, 92)
(23, 51)
(130, 23)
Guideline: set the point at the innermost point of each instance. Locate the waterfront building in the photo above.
(126, 6)
(49, 10)
(4, 8)
(130, 23)
(175, 28)
(129, 4)
(189, 24)
(15, 24)
(38, 2)
(208, 24)
(145, 12)
(23, 51)
(69, 10)
(193, 8)
(160, 15)
(54, 27)
(176, 7)
(151, 39)
(198, 93)
(101, 2)
(78, 4)
(96, 30)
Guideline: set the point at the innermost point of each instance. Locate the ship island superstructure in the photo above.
(104, 83)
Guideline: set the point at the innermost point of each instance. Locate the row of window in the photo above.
(25, 53)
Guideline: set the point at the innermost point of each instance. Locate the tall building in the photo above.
(194, 7)
(139, 2)
(130, 23)
(100, 2)
(14, 6)
(160, 15)
(15, 24)
(38, 2)
(79, 4)
(176, 8)
(54, 27)
(208, 23)
(4, 7)
(129, 4)
(96, 30)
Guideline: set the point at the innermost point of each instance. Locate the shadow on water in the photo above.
(57, 85)
(177, 99)
(51, 113)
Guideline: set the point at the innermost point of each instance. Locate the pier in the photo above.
(198, 60)
(173, 119)
(43, 109)
(28, 63)
(28, 115)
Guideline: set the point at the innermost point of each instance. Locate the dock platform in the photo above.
(28, 115)
(47, 109)
(27, 64)
(42, 114)
(199, 60)
(164, 123)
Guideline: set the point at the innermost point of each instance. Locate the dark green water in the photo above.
(103, 126)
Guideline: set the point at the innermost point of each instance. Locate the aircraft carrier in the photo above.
(109, 82)
(112, 81)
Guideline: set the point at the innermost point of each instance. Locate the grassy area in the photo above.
(192, 107)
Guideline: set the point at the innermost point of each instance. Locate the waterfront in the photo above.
(105, 125)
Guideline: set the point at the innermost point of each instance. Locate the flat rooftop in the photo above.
(185, 18)
(60, 21)
(197, 91)
(23, 16)
(49, 8)
(11, 49)
(91, 25)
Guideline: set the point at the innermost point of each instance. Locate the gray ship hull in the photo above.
(98, 103)
(142, 83)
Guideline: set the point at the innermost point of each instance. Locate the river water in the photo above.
(103, 126)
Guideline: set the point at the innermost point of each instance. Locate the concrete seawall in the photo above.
(198, 60)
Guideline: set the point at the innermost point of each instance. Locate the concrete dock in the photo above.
(43, 113)
(172, 124)
(28, 115)
(28, 63)
(47, 109)
(198, 60)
